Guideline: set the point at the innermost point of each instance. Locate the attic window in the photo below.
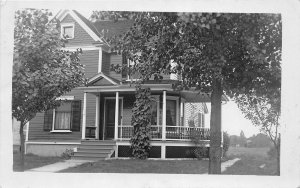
(67, 30)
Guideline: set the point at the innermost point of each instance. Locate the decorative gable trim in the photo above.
(98, 77)
(80, 22)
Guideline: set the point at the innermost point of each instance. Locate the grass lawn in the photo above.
(32, 161)
(144, 166)
(251, 160)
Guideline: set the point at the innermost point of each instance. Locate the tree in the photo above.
(214, 53)
(243, 139)
(42, 71)
(264, 112)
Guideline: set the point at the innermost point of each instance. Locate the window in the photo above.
(67, 30)
(171, 113)
(62, 116)
(154, 113)
(65, 118)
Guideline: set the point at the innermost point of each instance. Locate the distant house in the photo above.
(96, 119)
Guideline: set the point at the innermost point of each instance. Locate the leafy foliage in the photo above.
(141, 121)
(67, 154)
(197, 138)
(226, 143)
(215, 53)
(42, 71)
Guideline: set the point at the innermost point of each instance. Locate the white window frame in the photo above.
(53, 120)
(63, 25)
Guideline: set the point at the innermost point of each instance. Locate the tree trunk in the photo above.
(22, 146)
(215, 151)
(277, 146)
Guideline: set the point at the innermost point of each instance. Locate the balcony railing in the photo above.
(172, 132)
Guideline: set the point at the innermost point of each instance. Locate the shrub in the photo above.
(141, 122)
(226, 143)
(197, 138)
(272, 153)
(201, 152)
(67, 154)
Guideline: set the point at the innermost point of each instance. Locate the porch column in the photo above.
(97, 116)
(84, 116)
(164, 115)
(117, 115)
(181, 113)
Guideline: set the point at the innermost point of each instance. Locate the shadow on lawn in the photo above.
(254, 161)
(144, 166)
(32, 161)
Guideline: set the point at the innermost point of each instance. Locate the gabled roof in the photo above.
(110, 28)
(83, 22)
(88, 23)
(100, 76)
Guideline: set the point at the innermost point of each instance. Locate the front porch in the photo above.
(173, 125)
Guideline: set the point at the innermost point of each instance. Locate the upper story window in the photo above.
(67, 30)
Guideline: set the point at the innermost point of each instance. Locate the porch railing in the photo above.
(126, 132)
(186, 133)
(172, 132)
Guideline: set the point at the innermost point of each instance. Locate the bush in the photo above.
(197, 138)
(272, 153)
(67, 154)
(201, 152)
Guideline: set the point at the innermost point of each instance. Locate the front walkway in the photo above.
(228, 163)
(59, 166)
(56, 167)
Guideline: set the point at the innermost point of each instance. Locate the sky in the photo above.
(233, 121)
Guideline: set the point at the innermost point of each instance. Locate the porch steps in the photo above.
(94, 150)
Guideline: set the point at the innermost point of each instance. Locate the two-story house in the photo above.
(96, 119)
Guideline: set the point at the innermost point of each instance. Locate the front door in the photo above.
(110, 106)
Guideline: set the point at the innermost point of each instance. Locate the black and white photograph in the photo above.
(119, 93)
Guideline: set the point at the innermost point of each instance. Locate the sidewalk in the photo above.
(58, 166)
(228, 163)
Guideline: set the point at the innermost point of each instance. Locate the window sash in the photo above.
(62, 117)
(171, 112)
(62, 120)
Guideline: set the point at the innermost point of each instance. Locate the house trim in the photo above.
(66, 98)
(53, 143)
(100, 60)
(81, 23)
(27, 131)
(100, 74)
(84, 48)
(60, 131)
(83, 117)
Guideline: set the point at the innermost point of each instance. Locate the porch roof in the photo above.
(189, 95)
